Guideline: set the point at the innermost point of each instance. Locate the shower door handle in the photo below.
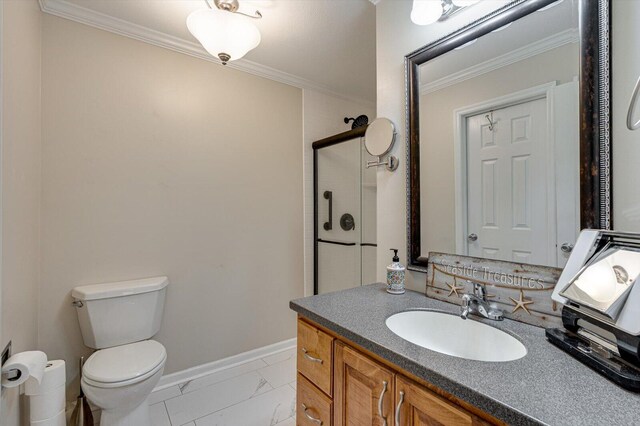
(328, 195)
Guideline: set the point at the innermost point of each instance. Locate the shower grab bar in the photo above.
(328, 226)
(339, 243)
(635, 100)
(368, 244)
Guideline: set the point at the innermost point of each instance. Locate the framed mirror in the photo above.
(508, 135)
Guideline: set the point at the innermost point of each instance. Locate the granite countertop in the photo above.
(547, 386)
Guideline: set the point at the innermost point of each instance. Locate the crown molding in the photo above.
(71, 11)
(522, 53)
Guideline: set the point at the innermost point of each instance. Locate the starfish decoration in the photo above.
(521, 303)
(454, 289)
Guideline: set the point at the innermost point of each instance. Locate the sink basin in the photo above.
(451, 335)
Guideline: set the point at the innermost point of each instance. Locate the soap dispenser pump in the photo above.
(395, 275)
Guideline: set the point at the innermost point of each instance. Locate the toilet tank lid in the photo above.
(119, 289)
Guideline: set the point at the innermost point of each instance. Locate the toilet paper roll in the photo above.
(28, 364)
(54, 377)
(58, 420)
(46, 405)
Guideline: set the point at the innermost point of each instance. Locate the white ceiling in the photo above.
(330, 43)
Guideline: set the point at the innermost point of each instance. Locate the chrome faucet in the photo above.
(476, 303)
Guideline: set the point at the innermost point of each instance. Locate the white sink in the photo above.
(451, 335)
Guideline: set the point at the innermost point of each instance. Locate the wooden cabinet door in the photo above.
(363, 390)
(418, 406)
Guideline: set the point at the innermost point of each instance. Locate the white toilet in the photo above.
(118, 319)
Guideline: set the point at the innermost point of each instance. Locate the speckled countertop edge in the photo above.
(547, 386)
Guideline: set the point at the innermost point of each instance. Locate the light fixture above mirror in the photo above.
(425, 12)
(223, 31)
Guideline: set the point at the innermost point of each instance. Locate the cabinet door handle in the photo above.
(309, 357)
(380, 402)
(309, 416)
(635, 100)
(398, 408)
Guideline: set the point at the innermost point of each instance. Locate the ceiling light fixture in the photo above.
(223, 31)
(427, 12)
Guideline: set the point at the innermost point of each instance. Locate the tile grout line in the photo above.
(212, 384)
(241, 402)
(180, 385)
(256, 370)
(255, 395)
(166, 410)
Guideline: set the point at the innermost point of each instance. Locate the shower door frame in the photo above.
(319, 144)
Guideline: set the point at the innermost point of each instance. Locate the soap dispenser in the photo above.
(395, 275)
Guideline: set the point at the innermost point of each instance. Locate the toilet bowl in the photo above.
(119, 319)
(119, 380)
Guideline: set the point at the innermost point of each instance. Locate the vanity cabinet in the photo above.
(341, 385)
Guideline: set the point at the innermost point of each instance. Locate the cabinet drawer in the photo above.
(313, 407)
(315, 356)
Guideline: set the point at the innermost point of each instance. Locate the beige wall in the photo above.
(21, 149)
(437, 172)
(396, 36)
(157, 163)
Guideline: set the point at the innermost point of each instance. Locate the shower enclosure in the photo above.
(344, 213)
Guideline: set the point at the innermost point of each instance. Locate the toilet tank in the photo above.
(118, 313)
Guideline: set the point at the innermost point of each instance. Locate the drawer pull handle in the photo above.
(398, 408)
(309, 357)
(309, 416)
(381, 401)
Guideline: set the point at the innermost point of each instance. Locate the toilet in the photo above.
(119, 319)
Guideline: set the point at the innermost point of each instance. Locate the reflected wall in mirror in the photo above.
(495, 140)
(626, 148)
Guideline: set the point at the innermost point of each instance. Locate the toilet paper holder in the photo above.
(12, 375)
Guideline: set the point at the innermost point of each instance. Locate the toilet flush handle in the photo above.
(77, 303)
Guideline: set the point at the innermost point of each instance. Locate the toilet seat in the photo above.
(124, 365)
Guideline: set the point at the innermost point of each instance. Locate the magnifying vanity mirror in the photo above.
(378, 141)
(508, 135)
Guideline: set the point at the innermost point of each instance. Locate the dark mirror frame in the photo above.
(595, 132)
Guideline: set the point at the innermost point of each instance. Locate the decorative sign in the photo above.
(522, 291)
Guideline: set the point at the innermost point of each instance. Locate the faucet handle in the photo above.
(479, 290)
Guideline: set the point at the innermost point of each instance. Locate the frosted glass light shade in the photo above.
(464, 3)
(223, 33)
(599, 282)
(426, 12)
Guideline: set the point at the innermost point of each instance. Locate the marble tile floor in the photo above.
(256, 393)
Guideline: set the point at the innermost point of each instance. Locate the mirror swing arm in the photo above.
(594, 92)
(391, 163)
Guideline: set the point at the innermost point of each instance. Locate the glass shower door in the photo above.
(345, 238)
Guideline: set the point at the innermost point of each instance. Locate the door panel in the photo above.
(345, 215)
(420, 407)
(507, 184)
(363, 390)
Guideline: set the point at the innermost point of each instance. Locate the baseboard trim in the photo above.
(222, 364)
